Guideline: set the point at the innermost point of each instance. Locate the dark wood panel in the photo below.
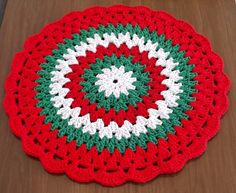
(214, 172)
(2, 9)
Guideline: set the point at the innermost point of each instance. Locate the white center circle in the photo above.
(115, 81)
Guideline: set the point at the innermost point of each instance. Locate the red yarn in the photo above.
(131, 113)
(83, 165)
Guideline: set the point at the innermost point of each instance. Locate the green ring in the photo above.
(90, 140)
(135, 96)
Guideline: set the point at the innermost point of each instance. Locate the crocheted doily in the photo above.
(116, 94)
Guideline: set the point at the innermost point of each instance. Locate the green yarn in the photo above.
(123, 101)
(152, 135)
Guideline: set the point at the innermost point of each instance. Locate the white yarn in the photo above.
(155, 115)
(124, 81)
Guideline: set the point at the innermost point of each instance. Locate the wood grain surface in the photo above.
(2, 9)
(213, 172)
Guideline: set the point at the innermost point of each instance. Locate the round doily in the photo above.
(116, 94)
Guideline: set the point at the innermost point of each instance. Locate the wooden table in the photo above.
(214, 172)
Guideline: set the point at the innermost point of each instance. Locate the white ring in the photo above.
(164, 106)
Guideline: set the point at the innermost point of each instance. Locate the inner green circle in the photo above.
(134, 96)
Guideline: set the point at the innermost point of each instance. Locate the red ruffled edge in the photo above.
(54, 166)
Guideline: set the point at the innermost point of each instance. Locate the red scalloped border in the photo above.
(189, 148)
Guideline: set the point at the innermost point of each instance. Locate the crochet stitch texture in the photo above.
(116, 94)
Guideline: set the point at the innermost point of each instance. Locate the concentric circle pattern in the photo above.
(117, 83)
(116, 94)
